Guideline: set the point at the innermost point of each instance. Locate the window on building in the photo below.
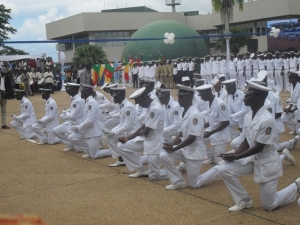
(68, 45)
(258, 31)
(113, 35)
(81, 37)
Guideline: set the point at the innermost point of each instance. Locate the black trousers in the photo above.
(135, 81)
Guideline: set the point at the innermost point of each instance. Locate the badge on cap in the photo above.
(74, 105)
(223, 108)
(151, 114)
(195, 121)
(89, 107)
(26, 106)
(51, 108)
(127, 113)
(268, 131)
(176, 113)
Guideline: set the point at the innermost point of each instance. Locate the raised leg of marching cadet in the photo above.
(38, 130)
(193, 168)
(26, 133)
(62, 132)
(270, 199)
(278, 80)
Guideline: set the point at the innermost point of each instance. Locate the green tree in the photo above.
(89, 53)
(225, 8)
(5, 29)
(236, 42)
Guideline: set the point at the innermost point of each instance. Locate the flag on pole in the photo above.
(95, 73)
(143, 58)
(108, 71)
(126, 69)
(117, 68)
(101, 75)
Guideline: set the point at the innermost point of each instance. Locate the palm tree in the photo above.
(236, 42)
(89, 53)
(225, 8)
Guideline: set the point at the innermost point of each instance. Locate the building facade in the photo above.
(123, 23)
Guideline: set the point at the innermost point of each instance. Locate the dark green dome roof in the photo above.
(181, 47)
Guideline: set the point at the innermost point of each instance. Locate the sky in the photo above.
(29, 17)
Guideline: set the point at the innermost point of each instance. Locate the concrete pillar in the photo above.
(254, 28)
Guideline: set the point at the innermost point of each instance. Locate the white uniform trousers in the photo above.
(241, 80)
(193, 168)
(62, 132)
(248, 74)
(287, 119)
(270, 74)
(49, 138)
(232, 74)
(131, 151)
(91, 147)
(111, 123)
(123, 80)
(286, 80)
(217, 150)
(234, 132)
(255, 72)
(77, 140)
(270, 199)
(278, 80)
(27, 133)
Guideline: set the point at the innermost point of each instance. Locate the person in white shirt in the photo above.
(286, 67)
(215, 67)
(232, 68)
(293, 62)
(184, 67)
(175, 74)
(191, 67)
(208, 69)
(255, 64)
(224, 66)
(248, 66)
(179, 71)
(278, 66)
(270, 66)
(261, 62)
(135, 75)
(241, 71)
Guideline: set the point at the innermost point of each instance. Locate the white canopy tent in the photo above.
(7, 58)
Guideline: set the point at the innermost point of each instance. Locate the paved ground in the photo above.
(62, 188)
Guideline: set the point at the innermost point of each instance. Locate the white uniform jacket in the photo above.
(91, 125)
(193, 124)
(50, 120)
(27, 113)
(154, 119)
(262, 129)
(128, 120)
(76, 112)
(173, 115)
(237, 108)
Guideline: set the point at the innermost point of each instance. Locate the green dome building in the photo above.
(196, 47)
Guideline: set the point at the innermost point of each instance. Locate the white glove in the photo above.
(75, 128)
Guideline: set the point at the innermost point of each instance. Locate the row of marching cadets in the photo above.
(158, 130)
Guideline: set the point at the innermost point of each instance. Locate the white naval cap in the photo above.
(104, 85)
(147, 82)
(183, 79)
(229, 82)
(157, 85)
(214, 81)
(183, 90)
(221, 75)
(71, 85)
(45, 90)
(162, 92)
(137, 94)
(196, 79)
(252, 55)
(118, 90)
(204, 88)
(293, 74)
(85, 86)
(112, 86)
(254, 87)
(261, 76)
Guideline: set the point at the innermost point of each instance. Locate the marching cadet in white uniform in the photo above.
(208, 69)
(293, 62)
(128, 125)
(218, 124)
(173, 114)
(147, 139)
(224, 67)
(248, 66)
(187, 146)
(270, 66)
(278, 66)
(220, 92)
(286, 67)
(255, 63)
(256, 154)
(241, 71)
(48, 76)
(91, 126)
(48, 122)
(214, 68)
(289, 111)
(237, 109)
(232, 68)
(72, 116)
(23, 122)
(261, 62)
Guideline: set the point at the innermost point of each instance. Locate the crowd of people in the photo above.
(214, 108)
